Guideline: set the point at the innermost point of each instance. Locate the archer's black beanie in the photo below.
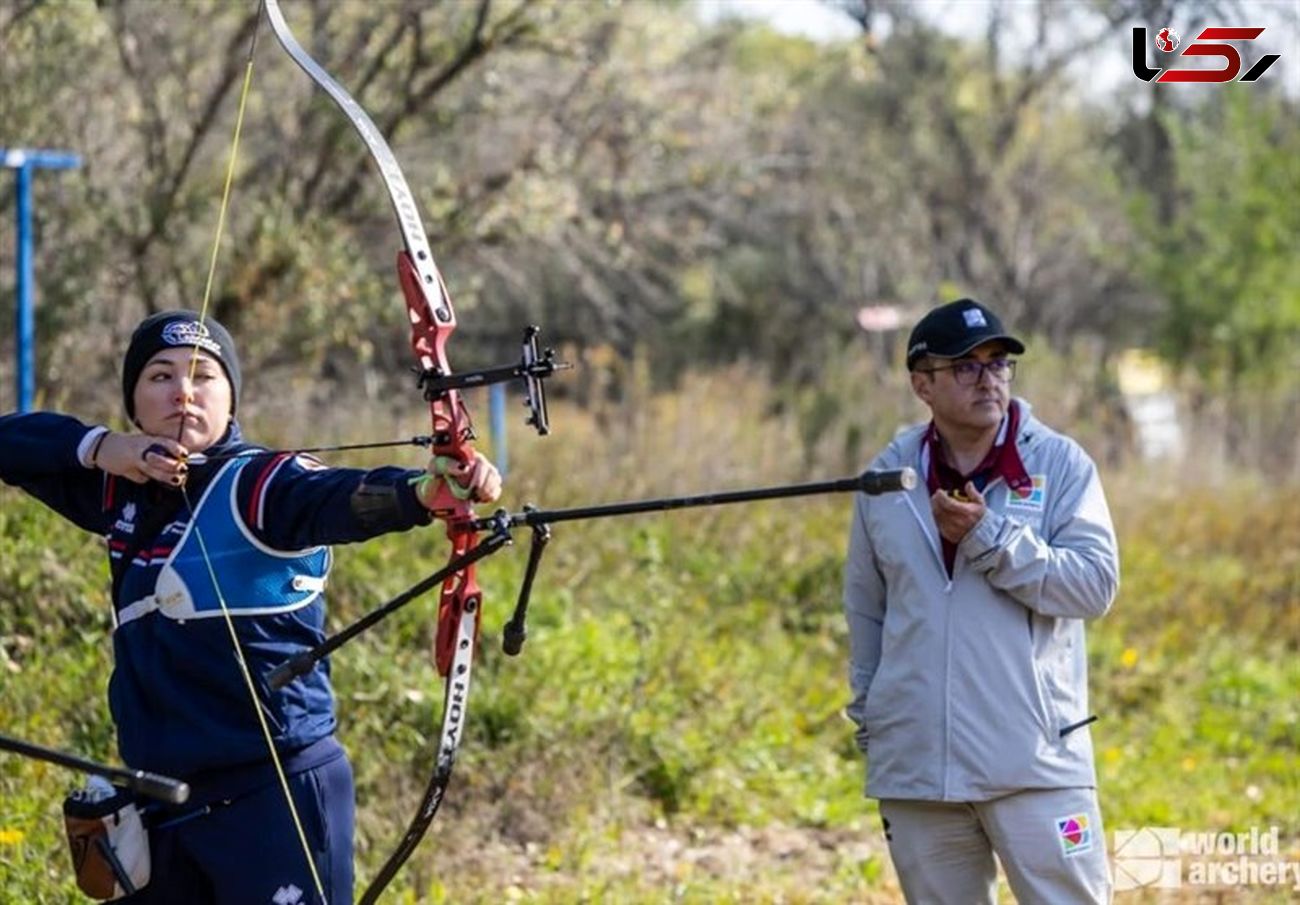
(168, 329)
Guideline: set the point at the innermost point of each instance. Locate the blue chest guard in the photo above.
(254, 579)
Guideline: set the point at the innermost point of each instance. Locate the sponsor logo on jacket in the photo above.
(1033, 499)
(126, 524)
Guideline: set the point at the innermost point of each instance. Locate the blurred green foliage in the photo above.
(1226, 260)
(673, 728)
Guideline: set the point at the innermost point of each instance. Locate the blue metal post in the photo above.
(497, 422)
(25, 330)
(23, 162)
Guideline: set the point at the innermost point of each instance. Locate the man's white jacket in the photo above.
(966, 689)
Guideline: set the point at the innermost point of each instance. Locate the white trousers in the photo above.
(1049, 841)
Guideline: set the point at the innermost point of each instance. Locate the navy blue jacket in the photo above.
(178, 700)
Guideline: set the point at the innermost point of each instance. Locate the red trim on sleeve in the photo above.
(259, 488)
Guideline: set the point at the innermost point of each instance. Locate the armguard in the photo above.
(375, 505)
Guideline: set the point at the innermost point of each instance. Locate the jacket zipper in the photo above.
(933, 543)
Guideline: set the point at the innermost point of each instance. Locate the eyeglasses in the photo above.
(968, 373)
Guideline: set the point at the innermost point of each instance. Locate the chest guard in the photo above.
(253, 578)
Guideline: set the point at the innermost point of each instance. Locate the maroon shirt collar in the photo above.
(1002, 461)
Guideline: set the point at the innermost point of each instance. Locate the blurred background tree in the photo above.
(652, 185)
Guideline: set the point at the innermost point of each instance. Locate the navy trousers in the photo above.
(248, 852)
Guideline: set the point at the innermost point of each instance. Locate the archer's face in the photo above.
(169, 404)
(956, 405)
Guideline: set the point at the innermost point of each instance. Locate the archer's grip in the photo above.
(163, 788)
(894, 479)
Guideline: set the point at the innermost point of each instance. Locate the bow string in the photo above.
(241, 661)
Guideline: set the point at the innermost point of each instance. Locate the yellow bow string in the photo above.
(212, 573)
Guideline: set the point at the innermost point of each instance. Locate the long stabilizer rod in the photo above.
(163, 788)
(500, 524)
(869, 482)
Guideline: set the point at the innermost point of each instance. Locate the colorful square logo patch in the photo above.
(1033, 499)
(1075, 834)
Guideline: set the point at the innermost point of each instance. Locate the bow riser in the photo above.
(452, 436)
(452, 429)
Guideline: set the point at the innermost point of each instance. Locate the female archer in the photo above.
(238, 538)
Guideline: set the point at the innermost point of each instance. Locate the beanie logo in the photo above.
(974, 318)
(190, 333)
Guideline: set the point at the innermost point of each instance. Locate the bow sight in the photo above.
(534, 366)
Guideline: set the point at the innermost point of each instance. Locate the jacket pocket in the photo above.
(881, 704)
(1063, 678)
(1048, 716)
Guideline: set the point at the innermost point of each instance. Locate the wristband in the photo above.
(442, 466)
(94, 450)
(421, 484)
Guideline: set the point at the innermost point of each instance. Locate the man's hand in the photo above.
(958, 512)
(478, 481)
(142, 458)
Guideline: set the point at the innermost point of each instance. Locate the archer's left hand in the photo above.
(477, 480)
(956, 515)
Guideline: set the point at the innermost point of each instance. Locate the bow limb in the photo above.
(432, 321)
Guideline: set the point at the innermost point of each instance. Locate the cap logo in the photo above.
(974, 318)
(190, 333)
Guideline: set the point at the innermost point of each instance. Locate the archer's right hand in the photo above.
(142, 458)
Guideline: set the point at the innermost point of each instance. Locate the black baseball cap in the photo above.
(952, 330)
